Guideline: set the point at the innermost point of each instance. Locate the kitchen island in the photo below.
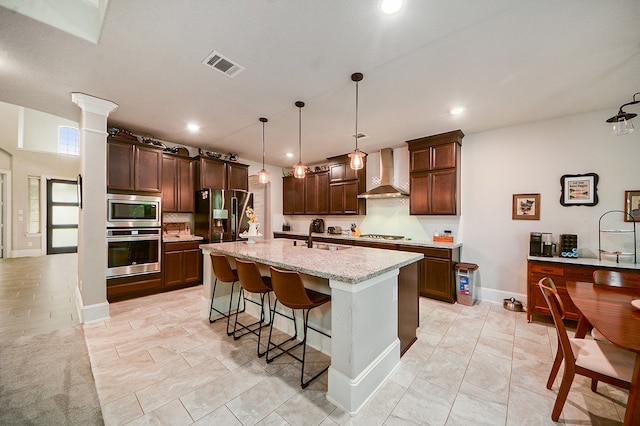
(362, 316)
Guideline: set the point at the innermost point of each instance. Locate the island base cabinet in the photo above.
(408, 306)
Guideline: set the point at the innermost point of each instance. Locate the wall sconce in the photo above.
(621, 123)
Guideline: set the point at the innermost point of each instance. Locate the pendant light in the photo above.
(263, 175)
(357, 156)
(621, 123)
(299, 170)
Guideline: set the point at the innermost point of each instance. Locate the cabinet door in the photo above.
(120, 161)
(438, 283)
(337, 172)
(192, 268)
(184, 185)
(169, 188)
(420, 160)
(148, 169)
(336, 198)
(310, 195)
(292, 195)
(172, 268)
(322, 192)
(238, 176)
(350, 197)
(443, 156)
(213, 174)
(419, 199)
(443, 192)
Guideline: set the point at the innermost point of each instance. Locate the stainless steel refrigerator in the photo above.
(221, 215)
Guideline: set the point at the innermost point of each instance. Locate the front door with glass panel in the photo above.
(62, 216)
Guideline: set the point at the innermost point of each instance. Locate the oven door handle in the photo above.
(133, 238)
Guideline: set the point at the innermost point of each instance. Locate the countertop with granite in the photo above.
(408, 242)
(343, 263)
(587, 261)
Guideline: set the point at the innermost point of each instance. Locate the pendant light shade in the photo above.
(299, 170)
(621, 124)
(263, 175)
(357, 156)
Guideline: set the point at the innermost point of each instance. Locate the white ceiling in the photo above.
(507, 61)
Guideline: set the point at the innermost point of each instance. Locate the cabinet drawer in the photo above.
(178, 246)
(547, 270)
(576, 273)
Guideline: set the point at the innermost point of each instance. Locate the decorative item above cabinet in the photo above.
(435, 174)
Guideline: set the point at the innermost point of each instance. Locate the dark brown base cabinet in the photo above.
(131, 287)
(560, 273)
(182, 264)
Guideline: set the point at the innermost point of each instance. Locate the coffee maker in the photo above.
(535, 244)
(317, 225)
(547, 244)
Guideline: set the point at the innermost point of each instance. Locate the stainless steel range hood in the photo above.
(386, 188)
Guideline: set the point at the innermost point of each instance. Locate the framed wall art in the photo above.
(579, 190)
(632, 206)
(526, 207)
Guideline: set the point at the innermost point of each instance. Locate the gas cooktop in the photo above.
(382, 237)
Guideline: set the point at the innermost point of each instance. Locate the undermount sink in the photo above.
(322, 246)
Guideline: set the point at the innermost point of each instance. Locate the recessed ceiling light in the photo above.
(390, 6)
(289, 154)
(193, 127)
(456, 110)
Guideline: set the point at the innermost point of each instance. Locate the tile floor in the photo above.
(156, 361)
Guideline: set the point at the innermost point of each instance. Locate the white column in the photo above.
(91, 293)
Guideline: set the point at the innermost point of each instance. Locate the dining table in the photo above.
(609, 309)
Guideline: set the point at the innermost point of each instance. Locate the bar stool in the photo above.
(291, 292)
(252, 281)
(223, 272)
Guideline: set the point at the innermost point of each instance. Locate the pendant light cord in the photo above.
(263, 153)
(356, 116)
(299, 134)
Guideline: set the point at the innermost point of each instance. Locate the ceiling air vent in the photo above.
(222, 64)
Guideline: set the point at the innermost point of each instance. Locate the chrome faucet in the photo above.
(310, 239)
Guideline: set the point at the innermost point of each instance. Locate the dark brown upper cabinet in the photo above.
(435, 174)
(133, 167)
(177, 184)
(220, 174)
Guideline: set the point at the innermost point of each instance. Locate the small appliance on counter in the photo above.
(568, 245)
(317, 225)
(541, 244)
(335, 230)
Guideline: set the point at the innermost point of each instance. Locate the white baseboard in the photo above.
(25, 253)
(96, 312)
(498, 296)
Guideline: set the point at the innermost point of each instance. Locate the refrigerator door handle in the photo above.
(234, 218)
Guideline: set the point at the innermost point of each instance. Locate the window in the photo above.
(33, 226)
(68, 140)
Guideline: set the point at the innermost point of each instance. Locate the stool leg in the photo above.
(213, 298)
(233, 286)
(279, 346)
(235, 325)
(304, 383)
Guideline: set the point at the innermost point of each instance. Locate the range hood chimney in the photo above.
(386, 189)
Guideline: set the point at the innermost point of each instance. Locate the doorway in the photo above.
(62, 216)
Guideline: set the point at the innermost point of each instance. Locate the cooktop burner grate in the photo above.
(382, 237)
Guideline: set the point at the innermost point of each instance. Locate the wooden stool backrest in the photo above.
(222, 269)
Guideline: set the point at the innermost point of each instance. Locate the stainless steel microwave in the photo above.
(126, 210)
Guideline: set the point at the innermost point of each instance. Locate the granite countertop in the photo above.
(418, 243)
(347, 264)
(175, 238)
(587, 261)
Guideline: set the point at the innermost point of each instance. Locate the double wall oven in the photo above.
(134, 235)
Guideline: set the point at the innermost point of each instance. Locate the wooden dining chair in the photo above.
(590, 358)
(618, 279)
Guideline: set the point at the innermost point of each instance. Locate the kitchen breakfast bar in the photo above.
(362, 317)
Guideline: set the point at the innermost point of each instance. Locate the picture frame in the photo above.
(579, 190)
(632, 206)
(525, 207)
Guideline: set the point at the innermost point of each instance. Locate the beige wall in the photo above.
(21, 164)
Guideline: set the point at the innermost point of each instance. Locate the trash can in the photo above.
(465, 278)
